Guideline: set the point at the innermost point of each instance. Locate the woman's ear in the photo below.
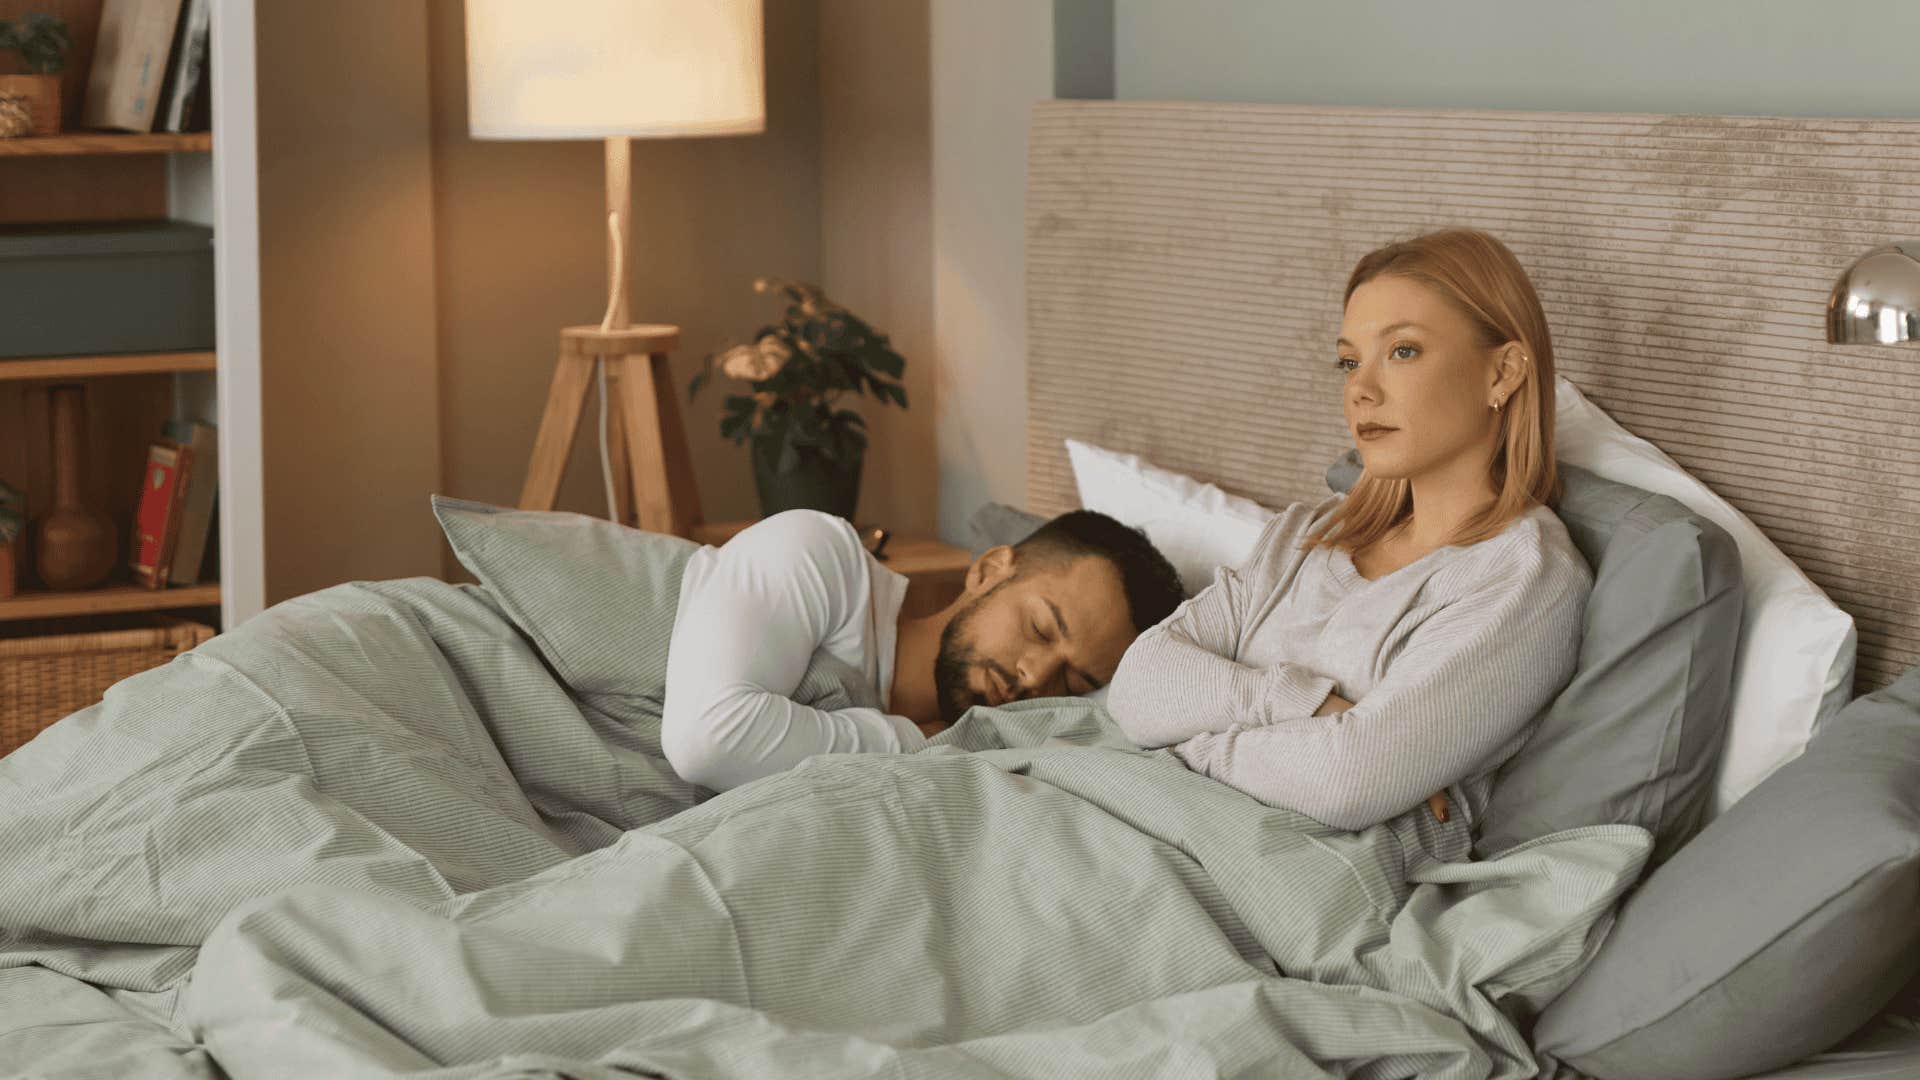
(990, 569)
(1511, 365)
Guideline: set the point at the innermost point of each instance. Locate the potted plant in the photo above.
(807, 450)
(30, 104)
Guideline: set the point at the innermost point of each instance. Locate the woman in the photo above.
(1400, 638)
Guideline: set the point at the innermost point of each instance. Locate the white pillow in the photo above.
(1794, 664)
(1197, 526)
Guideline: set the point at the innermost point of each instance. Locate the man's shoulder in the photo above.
(795, 537)
(803, 525)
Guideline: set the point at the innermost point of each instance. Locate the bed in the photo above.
(1185, 262)
(411, 827)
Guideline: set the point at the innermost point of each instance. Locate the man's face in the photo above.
(1055, 630)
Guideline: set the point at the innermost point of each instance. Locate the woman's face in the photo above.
(1414, 364)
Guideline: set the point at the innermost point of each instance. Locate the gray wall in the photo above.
(1752, 57)
(990, 61)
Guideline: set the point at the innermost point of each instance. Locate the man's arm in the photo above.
(776, 592)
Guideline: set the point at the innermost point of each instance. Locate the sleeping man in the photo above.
(1048, 616)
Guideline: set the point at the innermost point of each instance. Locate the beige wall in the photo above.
(349, 390)
(414, 280)
(877, 231)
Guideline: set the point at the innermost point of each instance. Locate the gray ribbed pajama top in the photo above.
(1448, 661)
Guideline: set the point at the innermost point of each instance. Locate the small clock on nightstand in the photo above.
(935, 571)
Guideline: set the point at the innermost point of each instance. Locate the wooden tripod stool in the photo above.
(646, 446)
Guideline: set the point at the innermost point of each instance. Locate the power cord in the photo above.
(600, 361)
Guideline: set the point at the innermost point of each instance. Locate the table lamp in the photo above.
(1877, 300)
(616, 70)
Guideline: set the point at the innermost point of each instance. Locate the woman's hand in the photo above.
(1436, 802)
(1334, 704)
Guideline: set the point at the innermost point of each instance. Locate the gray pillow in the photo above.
(597, 598)
(1785, 925)
(997, 523)
(1635, 736)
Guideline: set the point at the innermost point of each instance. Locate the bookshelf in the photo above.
(110, 176)
(129, 394)
(102, 143)
(86, 367)
(111, 599)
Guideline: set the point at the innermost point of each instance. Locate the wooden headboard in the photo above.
(1185, 263)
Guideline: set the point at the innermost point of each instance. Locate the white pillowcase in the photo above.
(1197, 526)
(1794, 664)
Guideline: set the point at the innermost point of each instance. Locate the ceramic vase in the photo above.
(75, 546)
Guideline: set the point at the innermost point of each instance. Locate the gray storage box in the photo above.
(106, 287)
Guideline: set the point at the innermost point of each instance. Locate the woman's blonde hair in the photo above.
(1480, 277)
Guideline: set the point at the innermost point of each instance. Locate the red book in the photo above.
(156, 523)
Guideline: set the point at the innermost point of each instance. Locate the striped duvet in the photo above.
(375, 831)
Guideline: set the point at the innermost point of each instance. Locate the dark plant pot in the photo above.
(818, 483)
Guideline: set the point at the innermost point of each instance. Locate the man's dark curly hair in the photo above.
(1151, 583)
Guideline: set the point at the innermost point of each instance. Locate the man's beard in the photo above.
(955, 658)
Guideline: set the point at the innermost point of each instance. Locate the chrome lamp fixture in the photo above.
(1877, 300)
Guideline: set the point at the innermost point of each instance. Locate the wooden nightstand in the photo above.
(935, 571)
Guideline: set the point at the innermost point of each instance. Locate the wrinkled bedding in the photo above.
(373, 831)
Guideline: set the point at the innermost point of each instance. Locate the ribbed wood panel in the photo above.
(1185, 262)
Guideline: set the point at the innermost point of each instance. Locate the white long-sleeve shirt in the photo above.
(1447, 661)
(750, 617)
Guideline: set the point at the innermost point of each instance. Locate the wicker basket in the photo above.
(42, 679)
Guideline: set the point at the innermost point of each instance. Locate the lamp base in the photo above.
(647, 444)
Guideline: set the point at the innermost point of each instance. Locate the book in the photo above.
(186, 75)
(156, 524)
(13, 527)
(202, 117)
(129, 62)
(197, 510)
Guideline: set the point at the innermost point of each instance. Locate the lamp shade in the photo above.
(590, 69)
(1877, 300)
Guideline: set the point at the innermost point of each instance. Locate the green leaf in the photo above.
(879, 381)
(699, 380)
(848, 416)
(886, 361)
